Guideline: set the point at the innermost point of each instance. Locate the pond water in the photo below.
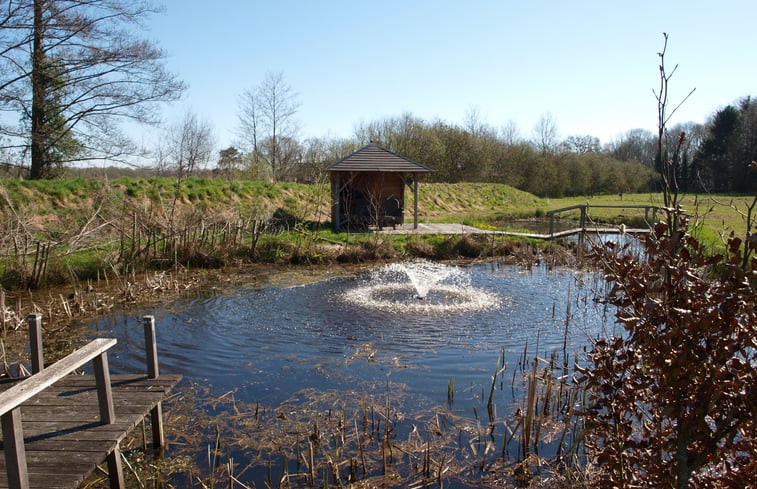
(270, 344)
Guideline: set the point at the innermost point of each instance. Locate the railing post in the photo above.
(104, 392)
(582, 223)
(108, 416)
(15, 454)
(156, 413)
(551, 224)
(35, 342)
(151, 348)
(583, 217)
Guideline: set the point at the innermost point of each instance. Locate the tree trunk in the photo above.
(38, 97)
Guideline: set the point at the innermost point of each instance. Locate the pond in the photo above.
(463, 348)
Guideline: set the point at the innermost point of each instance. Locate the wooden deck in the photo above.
(63, 436)
(58, 426)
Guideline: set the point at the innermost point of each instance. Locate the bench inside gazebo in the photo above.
(368, 188)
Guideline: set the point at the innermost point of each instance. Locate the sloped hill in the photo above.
(55, 202)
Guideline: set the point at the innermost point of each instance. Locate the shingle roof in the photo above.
(375, 158)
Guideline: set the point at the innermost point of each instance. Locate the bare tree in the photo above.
(249, 123)
(545, 134)
(268, 125)
(190, 144)
(668, 149)
(634, 145)
(510, 133)
(474, 122)
(73, 70)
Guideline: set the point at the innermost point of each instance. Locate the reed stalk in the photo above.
(530, 410)
(311, 465)
(499, 369)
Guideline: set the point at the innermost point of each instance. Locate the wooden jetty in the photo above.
(58, 427)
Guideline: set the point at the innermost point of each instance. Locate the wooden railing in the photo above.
(584, 212)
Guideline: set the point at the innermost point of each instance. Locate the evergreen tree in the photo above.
(715, 159)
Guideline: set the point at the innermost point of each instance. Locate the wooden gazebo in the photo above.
(368, 188)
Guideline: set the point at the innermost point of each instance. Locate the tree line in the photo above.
(710, 157)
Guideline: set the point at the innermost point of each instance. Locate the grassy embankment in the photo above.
(67, 230)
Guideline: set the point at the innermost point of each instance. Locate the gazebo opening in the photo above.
(368, 188)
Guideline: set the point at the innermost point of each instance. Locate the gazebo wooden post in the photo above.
(415, 201)
(336, 210)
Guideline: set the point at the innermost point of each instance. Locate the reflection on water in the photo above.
(269, 343)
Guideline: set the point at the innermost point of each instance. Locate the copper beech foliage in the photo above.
(673, 402)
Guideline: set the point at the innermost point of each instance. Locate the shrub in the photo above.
(673, 400)
(470, 246)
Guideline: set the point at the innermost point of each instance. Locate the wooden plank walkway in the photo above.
(63, 436)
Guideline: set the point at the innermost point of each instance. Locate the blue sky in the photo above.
(592, 65)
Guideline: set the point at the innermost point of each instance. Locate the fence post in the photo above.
(35, 342)
(156, 413)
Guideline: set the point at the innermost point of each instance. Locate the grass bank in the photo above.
(61, 231)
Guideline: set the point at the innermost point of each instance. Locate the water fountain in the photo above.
(421, 287)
